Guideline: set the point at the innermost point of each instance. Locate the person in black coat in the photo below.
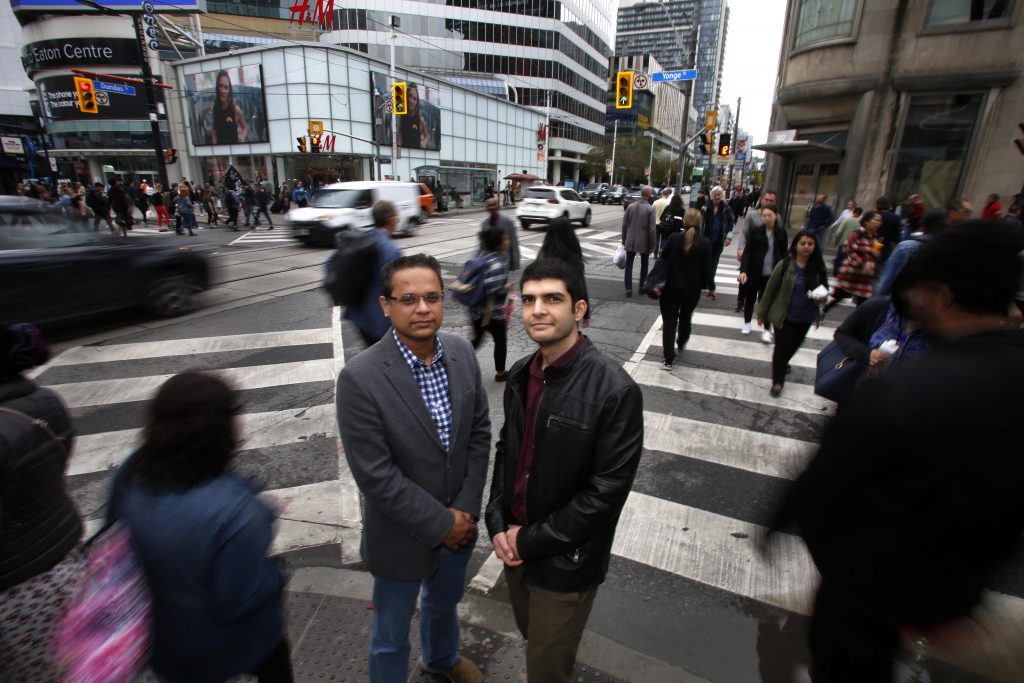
(765, 246)
(690, 270)
(914, 498)
(854, 334)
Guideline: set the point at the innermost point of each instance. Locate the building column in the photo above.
(556, 172)
(861, 127)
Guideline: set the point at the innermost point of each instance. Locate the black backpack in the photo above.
(349, 271)
(469, 290)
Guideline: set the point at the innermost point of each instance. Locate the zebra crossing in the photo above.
(597, 244)
(263, 236)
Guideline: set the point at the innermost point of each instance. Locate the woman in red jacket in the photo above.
(856, 276)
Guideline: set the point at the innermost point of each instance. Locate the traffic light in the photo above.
(724, 145)
(624, 90)
(86, 96)
(314, 143)
(707, 143)
(398, 96)
(170, 155)
(302, 144)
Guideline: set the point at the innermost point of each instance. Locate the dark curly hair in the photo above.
(189, 438)
(22, 348)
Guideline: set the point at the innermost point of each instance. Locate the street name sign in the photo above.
(116, 88)
(673, 76)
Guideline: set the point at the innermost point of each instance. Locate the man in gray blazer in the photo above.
(413, 419)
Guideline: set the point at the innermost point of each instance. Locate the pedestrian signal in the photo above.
(624, 90)
(86, 96)
(398, 96)
(724, 145)
(314, 143)
(302, 144)
(707, 143)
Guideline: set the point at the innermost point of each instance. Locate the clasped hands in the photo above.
(505, 546)
(462, 532)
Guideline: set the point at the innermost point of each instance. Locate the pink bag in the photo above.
(104, 636)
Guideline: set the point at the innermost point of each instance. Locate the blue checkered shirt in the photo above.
(433, 384)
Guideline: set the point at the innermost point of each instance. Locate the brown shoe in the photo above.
(464, 671)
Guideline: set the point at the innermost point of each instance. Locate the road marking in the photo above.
(349, 504)
(607, 251)
(187, 347)
(734, 322)
(112, 391)
(104, 451)
(526, 252)
(605, 236)
(253, 236)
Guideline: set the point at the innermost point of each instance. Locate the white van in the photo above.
(347, 206)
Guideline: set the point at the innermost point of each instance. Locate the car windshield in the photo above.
(43, 230)
(538, 193)
(343, 199)
(593, 186)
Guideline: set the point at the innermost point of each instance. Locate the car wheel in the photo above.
(586, 219)
(173, 296)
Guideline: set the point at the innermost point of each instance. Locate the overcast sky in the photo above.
(752, 61)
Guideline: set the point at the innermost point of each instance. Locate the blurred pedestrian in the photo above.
(186, 209)
(40, 555)
(142, 202)
(300, 195)
(234, 203)
(249, 204)
(917, 479)
(891, 228)
(574, 429)
(489, 316)
(932, 222)
(369, 314)
(993, 210)
(210, 204)
(819, 216)
(842, 234)
(765, 247)
(412, 401)
(787, 304)
(958, 210)
(163, 218)
(639, 237)
(202, 535)
(97, 200)
(262, 202)
(671, 220)
(856, 276)
(689, 272)
(496, 219)
(121, 205)
(718, 224)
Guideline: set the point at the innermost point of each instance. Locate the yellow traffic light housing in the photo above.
(398, 97)
(724, 145)
(624, 90)
(86, 96)
(314, 143)
(302, 144)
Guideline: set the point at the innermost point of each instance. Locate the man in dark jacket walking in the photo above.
(718, 224)
(914, 498)
(574, 429)
(262, 201)
(122, 205)
(97, 200)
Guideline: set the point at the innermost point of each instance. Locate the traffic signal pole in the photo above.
(154, 118)
(735, 138)
(687, 96)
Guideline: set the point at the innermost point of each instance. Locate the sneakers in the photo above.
(464, 671)
(767, 337)
(746, 328)
(667, 365)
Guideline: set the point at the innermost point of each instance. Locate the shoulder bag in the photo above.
(837, 373)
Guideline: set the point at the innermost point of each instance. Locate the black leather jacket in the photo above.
(589, 437)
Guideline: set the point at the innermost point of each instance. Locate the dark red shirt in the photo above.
(534, 394)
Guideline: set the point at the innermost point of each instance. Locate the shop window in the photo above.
(973, 13)
(824, 20)
(934, 147)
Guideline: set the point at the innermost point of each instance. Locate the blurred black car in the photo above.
(53, 268)
(614, 195)
(594, 191)
(632, 196)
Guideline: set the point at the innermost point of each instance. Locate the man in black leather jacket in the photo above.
(563, 468)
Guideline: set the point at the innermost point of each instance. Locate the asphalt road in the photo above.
(687, 598)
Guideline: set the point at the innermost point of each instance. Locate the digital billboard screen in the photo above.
(420, 128)
(227, 106)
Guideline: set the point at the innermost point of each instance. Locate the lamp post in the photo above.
(688, 85)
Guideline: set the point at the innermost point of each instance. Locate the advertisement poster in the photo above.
(420, 128)
(227, 106)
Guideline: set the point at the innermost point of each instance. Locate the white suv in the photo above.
(544, 203)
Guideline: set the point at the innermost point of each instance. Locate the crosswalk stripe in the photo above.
(735, 321)
(797, 397)
(604, 236)
(111, 391)
(608, 251)
(100, 452)
(583, 232)
(526, 252)
(775, 456)
(754, 349)
(195, 345)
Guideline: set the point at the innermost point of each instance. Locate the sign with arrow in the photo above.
(640, 81)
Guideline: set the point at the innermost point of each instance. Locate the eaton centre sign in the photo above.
(673, 76)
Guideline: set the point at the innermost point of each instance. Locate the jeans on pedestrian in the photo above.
(499, 332)
(677, 307)
(644, 257)
(716, 255)
(188, 221)
(753, 291)
(263, 210)
(393, 604)
(788, 339)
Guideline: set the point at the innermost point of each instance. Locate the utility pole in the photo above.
(735, 139)
(547, 136)
(154, 117)
(395, 23)
(650, 162)
(615, 141)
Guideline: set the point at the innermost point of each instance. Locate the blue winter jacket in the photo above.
(367, 314)
(217, 599)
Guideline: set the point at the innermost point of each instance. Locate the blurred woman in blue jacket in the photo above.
(202, 536)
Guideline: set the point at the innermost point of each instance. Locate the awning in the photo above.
(801, 147)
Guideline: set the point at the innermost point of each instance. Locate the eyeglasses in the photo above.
(431, 299)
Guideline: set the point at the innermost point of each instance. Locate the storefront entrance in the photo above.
(810, 179)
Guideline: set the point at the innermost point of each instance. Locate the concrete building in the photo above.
(893, 97)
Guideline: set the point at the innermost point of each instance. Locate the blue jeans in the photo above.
(630, 255)
(393, 605)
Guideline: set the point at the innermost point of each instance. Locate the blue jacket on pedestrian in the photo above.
(894, 265)
(217, 600)
(367, 315)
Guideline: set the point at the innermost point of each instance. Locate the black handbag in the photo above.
(837, 373)
(655, 281)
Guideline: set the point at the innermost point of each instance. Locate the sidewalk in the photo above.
(330, 612)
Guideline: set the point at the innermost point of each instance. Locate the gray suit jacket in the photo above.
(398, 462)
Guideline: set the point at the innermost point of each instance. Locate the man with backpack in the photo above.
(356, 286)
